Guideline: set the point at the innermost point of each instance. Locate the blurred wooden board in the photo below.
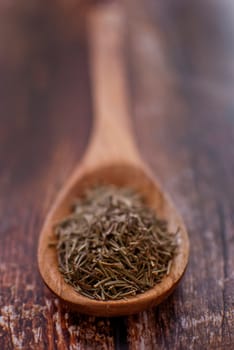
(181, 76)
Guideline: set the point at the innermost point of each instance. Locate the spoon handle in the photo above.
(112, 137)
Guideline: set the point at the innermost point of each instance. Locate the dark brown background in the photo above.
(180, 57)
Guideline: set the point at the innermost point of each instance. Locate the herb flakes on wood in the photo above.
(113, 246)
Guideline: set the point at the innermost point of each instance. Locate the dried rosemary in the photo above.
(113, 246)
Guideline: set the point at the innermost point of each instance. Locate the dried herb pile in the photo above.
(113, 246)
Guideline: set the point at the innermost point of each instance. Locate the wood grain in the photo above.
(180, 57)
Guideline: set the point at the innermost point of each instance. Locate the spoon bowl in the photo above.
(111, 159)
(121, 175)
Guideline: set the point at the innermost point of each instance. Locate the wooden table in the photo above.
(180, 58)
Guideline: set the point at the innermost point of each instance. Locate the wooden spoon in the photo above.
(111, 158)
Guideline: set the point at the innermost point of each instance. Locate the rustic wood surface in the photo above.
(180, 61)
